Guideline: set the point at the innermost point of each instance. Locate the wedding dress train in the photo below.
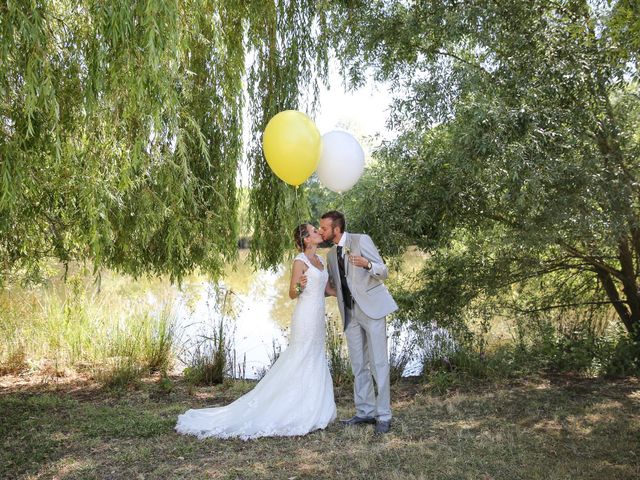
(295, 397)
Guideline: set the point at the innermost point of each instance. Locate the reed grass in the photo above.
(209, 357)
(274, 354)
(337, 354)
(72, 328)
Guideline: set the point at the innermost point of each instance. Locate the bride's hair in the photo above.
(299, 234)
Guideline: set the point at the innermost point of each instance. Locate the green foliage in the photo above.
(320, 199)
(547, 346)
(517, 160)
(159, 343)
(290, 45)
(165, 385)
(129, 351)
(622, 358)
(121, 129)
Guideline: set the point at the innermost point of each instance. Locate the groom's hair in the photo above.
(337, 219)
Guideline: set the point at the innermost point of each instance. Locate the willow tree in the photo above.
(121, 128)
(519, 158)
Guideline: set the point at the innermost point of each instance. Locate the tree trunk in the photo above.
(630, 287)
(620, 306)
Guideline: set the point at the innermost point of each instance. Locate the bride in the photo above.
(295, 397)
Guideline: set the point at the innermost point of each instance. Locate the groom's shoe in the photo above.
(382, 426)
(356, 420)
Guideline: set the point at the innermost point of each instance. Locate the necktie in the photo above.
(346, 293)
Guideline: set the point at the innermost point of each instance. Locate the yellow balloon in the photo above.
(292, 145)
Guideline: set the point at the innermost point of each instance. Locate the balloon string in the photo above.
(302, 246)
(298, 205)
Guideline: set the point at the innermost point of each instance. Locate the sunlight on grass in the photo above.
(66, 467)
(502, 433)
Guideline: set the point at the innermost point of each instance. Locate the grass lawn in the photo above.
(543, 428)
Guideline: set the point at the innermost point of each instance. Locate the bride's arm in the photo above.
(297, 276)
(330, 289)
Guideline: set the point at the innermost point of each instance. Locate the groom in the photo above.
(357, 271)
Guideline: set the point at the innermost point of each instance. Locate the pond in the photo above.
(258, 300)
(261, 311)
(75, 317)
(259, 317)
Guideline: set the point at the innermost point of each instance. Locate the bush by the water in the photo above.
(580, 351)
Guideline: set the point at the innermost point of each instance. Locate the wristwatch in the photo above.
(369, 266)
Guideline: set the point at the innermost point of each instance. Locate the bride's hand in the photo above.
(330, 291)
(298, 279)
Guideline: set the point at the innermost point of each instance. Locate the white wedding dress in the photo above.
(295, 397)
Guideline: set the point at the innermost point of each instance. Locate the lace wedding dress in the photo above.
(295, 397)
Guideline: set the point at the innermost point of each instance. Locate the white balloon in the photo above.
(341, 161)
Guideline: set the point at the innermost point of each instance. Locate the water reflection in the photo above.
(255, 328)
(259, 299)
(260, 317)
(261, 309)
(200, 308)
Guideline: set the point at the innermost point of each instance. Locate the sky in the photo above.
(362, 112)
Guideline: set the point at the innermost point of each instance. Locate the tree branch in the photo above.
(596, 262)
(462, 60)
(565, 305)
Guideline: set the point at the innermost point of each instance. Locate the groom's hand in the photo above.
(359, 261)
